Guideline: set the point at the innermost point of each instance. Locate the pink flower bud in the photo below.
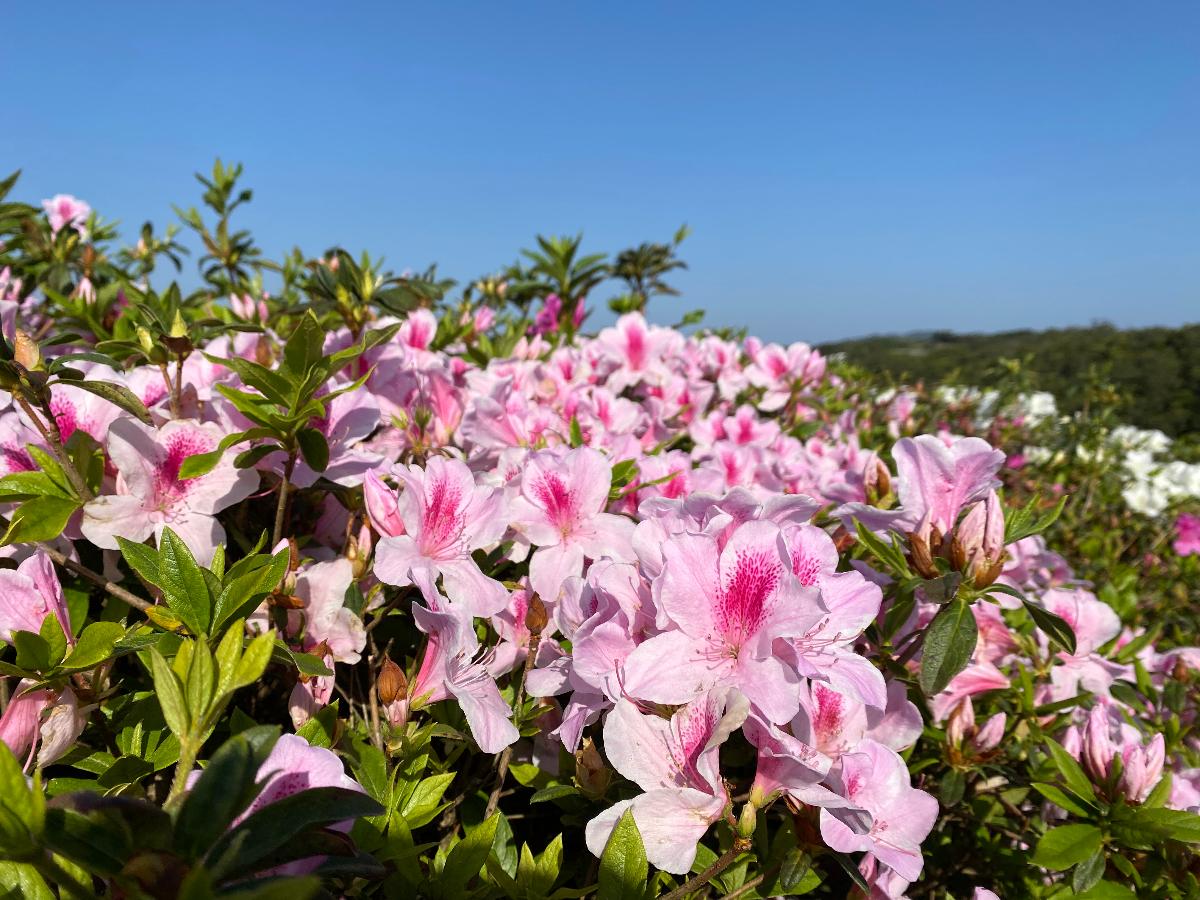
(961, 722)
(1098, 749)
(989, 736)
(1142, 769)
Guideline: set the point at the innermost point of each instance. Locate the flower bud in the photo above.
(26, 351)
(747, 820)
(591, 774)
(391, 682)
(1143, 769)
(989, 736)
(922, 559)
(961, 722)
(145, 339)
(535, 616)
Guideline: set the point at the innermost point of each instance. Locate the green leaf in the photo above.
(275, 825)
(1065, 846)
(142, 559)
(468, 856)
(22, 807)
(1053, 626)
(183, 584)
(949, 642)
(1108, 890)
(314, 448)
(33, 653)
(94, 646)
(623, 866)
(56, 641)
(321, 729)
(255, 659)
(1026, 521)
(225, 788)
(1151, 826)
(118, 395)
(202, 463)
(423, 804)
(169, 691)
(1061, 798)
(40, 519)
(305, 348)
(246, 584)
(554, 792)
(1071, 771)
(1088, 872)
(21, 880)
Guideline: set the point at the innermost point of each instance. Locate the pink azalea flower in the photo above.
(636, 351)
(1187, 535)
(65, 211)
(729, 607)
(28, 594)
(446, 517)
(325, 619)
(1103, 738)
(675, 762)
(561, 511)
(150, 494)
(51, 718)
(450, 669)
(889, 817)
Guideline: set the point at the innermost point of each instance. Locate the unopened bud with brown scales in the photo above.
(592, 775)
(26, 351)
(536, 616)
(391, 683)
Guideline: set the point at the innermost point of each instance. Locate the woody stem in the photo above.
(53, 440)
(723, 862)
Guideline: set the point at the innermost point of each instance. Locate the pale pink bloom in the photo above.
(33, 716)
(889, 817)
(637, 351)
(292, 766)
(982, 893)
(65, 211)
(834, 723)
(884, 882)
(675, 762)
(20, 724)
(825, 651)
(450, 669)
(325, 619)
(446, 517)
(1094, 624)
(85, 290)
(935, 481)
(75, 409)
(779, 372)
(1187, 535)
(150, 494)
(246, 307)
(28, 594)
(418, 330)
(728, 607)
(1103, 738)
(484, 318)
(976, 678)
(311, 694)
(561, 511)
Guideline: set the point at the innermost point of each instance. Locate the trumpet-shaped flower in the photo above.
(675, 762)
(150, 494)
(561, 511)
(728, 607)
(445, 516)
(888, 816)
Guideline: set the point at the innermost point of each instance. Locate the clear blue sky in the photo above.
(847, 168)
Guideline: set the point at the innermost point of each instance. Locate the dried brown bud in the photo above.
(26, 351)
(535, 616)
(591, 774)
(263, 354)
(285, 600)
(293, 555)
(921, 558)
(883, 479)
(843, 540)
(391, 682)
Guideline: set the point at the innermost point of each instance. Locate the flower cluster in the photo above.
(697, 591)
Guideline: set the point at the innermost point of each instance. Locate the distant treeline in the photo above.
(1156, 369)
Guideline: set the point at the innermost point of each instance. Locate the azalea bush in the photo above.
(321, 580)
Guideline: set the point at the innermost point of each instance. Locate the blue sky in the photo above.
(846, 168)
